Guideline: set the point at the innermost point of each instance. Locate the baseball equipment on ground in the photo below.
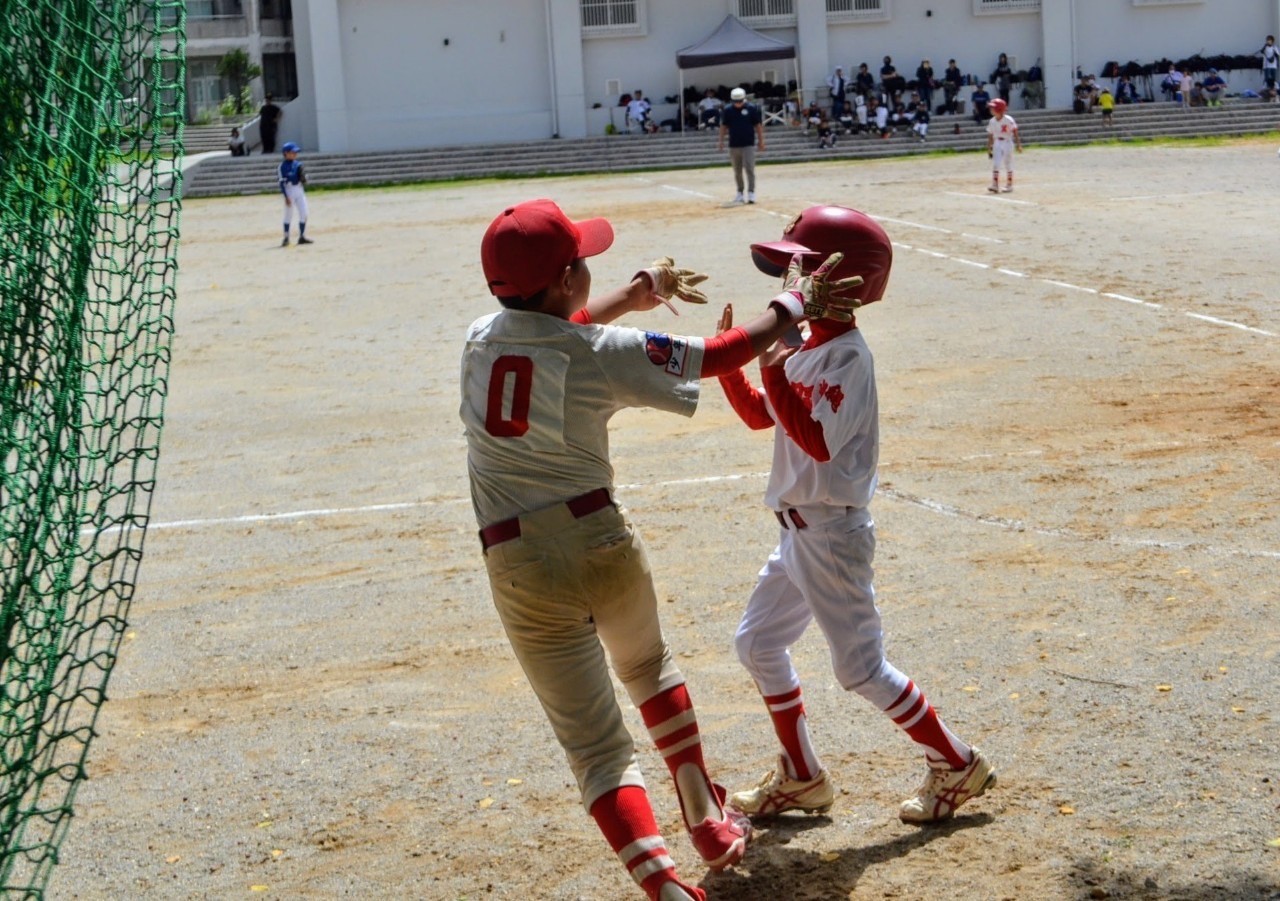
(997, 106)
(666, 281)
(821, 231)
(819, 292)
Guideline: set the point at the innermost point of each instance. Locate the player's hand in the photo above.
(818, 290)
(288, 202)
(776, 355)
(726, 320)
(667, 281)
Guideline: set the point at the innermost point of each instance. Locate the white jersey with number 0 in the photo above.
(537, 395)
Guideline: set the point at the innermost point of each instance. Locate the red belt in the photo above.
(795, 516)
(579, 506)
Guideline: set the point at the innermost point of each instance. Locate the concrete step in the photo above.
(256, 174)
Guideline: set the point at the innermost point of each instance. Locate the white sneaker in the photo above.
(945, 790)
(738, 198)
(751, 197)
(1008, 189)
(777, 792)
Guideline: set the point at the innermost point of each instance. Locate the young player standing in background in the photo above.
(1002, 139)
(568, 571)
(822, 400)
(293, 185)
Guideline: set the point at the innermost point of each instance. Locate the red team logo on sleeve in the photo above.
(665, 351)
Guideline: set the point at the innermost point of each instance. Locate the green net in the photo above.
(91, 93)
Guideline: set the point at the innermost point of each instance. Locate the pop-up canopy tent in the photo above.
(732, 42)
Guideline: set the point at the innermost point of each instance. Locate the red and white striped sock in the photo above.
(791, 727)
(673, 726)
(916, 716)
(626, 818)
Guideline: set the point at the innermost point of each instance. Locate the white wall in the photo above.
(378, 75)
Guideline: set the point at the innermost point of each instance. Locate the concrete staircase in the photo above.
(220, 176)
(207, 138)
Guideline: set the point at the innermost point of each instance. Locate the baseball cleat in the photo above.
(675, 890)
(751, 197)
(722, 844)
(738, 198)
(305, 241)
(1008, 189)
(778, 792)
(945, 790)
(285, 242)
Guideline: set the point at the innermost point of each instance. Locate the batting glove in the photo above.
(666, 281)
(815, 292)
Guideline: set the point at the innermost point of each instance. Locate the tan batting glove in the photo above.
(666, 281)
(817, 289)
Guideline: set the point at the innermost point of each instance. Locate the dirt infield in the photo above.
(1079, 541)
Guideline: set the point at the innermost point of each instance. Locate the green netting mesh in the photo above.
(91, 93)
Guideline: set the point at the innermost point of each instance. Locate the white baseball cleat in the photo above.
(1008, 189)
(778, 792)
(738, 198)
(945, 790)
(751, 197)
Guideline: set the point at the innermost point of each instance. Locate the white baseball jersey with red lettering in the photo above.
(1003, 132)
(838, 378)
(537, 396)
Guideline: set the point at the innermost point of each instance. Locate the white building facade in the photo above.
(402, 74)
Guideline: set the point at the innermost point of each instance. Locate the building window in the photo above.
(767, 13)
(610, 18)
(858, 10)
(999, 7)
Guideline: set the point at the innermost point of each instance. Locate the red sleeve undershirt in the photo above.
(794, 414)
(746, 401)
(722, 354)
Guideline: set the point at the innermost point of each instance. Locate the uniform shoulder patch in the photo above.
(671, 353)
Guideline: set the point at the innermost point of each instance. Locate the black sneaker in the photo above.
(285, 242)
(305, 240)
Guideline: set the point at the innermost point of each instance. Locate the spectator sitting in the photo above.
(1213, 88)
(864, 83)
(881, 113)
(813, 116)
(235, 143)
(1085, 95)
(891, 82)
(951, 82)
(709, 110)
(638, 112)
(980, 99)
(1171, 84)
(1126, 90)
(826, 133)
(920, 124)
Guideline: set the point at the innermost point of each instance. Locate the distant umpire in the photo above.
(745, 127)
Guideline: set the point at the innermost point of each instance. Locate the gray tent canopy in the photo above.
(731, 42)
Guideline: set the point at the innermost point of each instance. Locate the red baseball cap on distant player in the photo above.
(528, 245)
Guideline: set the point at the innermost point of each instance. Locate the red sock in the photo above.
(626, 818)
(916, 716)
(673, 726)
(790, 725)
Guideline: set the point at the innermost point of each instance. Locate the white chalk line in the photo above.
(1009, 272)
(924, 503)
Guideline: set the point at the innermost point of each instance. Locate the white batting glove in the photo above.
(667, 281)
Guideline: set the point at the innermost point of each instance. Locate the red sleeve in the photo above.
(794, 414)
(746, 401)
(726, 352)
(582, 317)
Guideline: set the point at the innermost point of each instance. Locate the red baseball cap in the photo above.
(528, 245)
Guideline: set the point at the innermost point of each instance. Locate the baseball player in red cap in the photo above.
(1002, 139)
(822, 398)
(568, 571)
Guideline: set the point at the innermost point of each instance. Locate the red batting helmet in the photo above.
(821, 231)
(997, 105)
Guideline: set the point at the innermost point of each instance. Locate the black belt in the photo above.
(579, 506)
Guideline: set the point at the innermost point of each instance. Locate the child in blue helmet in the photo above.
(293, 182)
